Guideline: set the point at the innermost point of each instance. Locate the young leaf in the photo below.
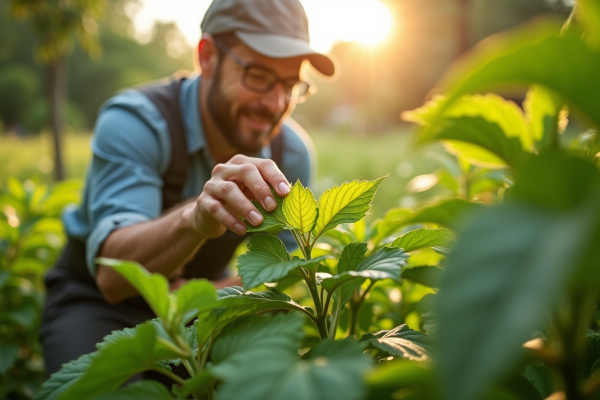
(273, 222)
(401, 342)
(423, 237)
(154, 288)
(63, 379)
(235, 303)
(542, 109)
(429, 276)
(300, 208)
(147, 390)
(119, 361)
(347, 203)
(334, 371)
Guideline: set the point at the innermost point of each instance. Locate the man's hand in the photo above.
(226, 196)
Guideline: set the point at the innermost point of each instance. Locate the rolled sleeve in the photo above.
(104, 228)
(124, 180)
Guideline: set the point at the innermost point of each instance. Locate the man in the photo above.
(253, 57)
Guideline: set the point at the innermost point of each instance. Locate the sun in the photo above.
(363, 21)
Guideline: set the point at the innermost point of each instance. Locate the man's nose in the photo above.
(275, 99)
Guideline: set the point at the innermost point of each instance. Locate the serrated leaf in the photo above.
(385, 263)
(273, 222)
(352, 255)
(300, 208)
(423, 237)
(541, 378)
(119, 361)
(344, 204)
(63, 379)
(429, 276)
(154, 288)
(199, 295)
(235, 303)
(333, 372)
(8, 355)
(267, 260)
(401, 342)
(279, 330)
(147, 390)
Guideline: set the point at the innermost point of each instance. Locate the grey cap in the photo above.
(274, 28)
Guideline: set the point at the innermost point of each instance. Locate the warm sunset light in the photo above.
(331, 21)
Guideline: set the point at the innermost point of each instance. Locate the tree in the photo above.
(58, 24)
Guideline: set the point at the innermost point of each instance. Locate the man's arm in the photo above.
(164, 244)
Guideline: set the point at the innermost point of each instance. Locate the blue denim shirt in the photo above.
(132, 151)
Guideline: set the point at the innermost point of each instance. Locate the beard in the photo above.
(219, 107)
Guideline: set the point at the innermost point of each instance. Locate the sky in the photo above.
(330, 21)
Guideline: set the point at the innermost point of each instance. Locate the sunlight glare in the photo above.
(366, 22)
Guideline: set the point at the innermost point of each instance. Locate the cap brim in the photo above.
(275, 46)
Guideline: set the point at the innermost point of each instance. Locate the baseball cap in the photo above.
(273, 28)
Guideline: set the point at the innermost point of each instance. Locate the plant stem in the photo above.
(171, 375)
(206, 352)
(335, 318)
(355, 310)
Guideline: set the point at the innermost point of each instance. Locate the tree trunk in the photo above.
(57, 72)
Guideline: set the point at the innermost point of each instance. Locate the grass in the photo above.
(340, 158)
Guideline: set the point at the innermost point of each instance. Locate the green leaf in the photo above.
(333, 372)
(385, 263)
(8, 355)
(197, 295)
(344, 204)
(4, 275)
(26, 313)
(279, 330)
(267, 260)
(505, 271)
(540, 55)
(429, 276)
(401, 342)
(385, 227)
(352, 255)
(147, 390)
(201, 382)
(300, 208)
(273, 222)
(541, 378)
(589, 15)
(449, 213)
(543, 109)
(423, 237)
(484, 134)
(62, 380)
(492, 108)
(403, 375)
(119, 361)
(235, 303)
(154, 288)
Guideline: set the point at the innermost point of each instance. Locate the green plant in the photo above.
(31, 236)
(228, 349)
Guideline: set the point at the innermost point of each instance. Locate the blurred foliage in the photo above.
(31, 237)
(124, 62)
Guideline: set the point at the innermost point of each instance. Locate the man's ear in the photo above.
(207, 56)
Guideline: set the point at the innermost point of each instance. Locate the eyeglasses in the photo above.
(262, 80)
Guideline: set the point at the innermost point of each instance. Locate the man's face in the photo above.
(246, 118)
